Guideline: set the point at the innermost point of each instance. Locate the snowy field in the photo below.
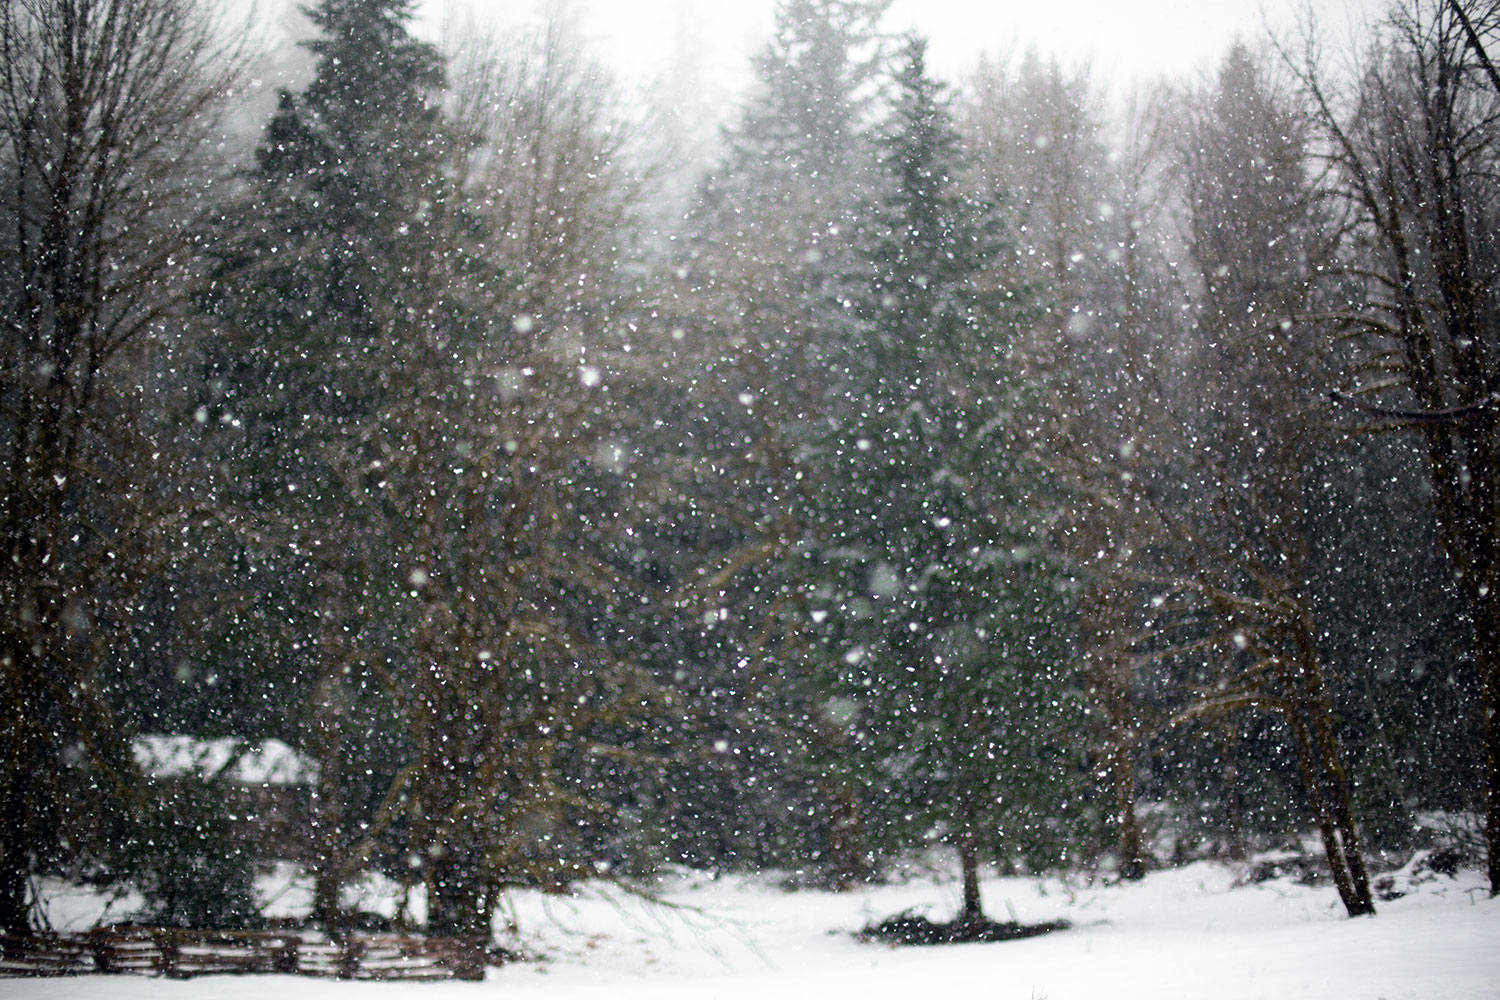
(1189, 933)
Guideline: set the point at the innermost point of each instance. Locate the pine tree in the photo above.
(435, 278)
(815, 82)
(760, 295)
(778, 212)
(325, 293)
(942, 601)
(349, 177)
(928, 280)
(1083, 217)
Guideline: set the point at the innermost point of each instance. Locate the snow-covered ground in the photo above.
(1188, 933)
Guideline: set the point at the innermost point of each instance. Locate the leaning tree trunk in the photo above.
(1330, 758)
(1335, 818)
(1332, 848)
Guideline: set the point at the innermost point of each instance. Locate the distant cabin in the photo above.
(267, 785)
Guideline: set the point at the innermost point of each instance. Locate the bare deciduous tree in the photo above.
(1414, 140)
(483, 470)
(1260, 241)
(107, 119)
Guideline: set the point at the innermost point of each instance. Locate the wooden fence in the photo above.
(183, 953)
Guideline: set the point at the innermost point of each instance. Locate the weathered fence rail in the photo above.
(183, 953)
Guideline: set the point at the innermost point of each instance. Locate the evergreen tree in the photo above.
(349, 178)
(815, 83)
(776, 216)
(436, 279)
(926, 286)
(325, 291)
(759, 307)
(943, 603)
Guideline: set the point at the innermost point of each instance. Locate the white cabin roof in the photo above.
(260, 762)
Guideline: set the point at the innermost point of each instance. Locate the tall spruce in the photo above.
(760, 313)
(815, 84)
(938, 592)
(324, 292)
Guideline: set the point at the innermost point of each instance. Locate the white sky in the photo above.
(1123, 39)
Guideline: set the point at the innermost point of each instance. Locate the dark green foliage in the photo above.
(351, 168)
(315, 296)
(560, 556)
(946, 613)
(766, 338)
(181, 855)
(348, 182)
(325, 295)
(953, 681)
(936, 317)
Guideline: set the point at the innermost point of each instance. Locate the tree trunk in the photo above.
(1337, 780)
(1348, 876)
(1323, 773)
(1102, 623)
(968, 860)
(17, 795)
(15, 859)
(456, 899)
(847, 863)
(1234, 800)
(1122, 772)
(328, 813)
(1487, 659)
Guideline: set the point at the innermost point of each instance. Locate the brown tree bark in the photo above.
(1414, 150)
(968, 859)
(848, 861)
(1122, 777)
(1234, 799)
(1100, 628)
(15, 840)
(328, 814)
(1336, 777)
(1328, 794)
(458, 898)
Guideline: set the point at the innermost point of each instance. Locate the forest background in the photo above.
(1065, 482)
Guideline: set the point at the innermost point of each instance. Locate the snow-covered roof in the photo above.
(255, 762)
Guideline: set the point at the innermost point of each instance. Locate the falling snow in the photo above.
(448, 490)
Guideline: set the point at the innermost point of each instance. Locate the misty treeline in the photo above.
(1067, 480)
